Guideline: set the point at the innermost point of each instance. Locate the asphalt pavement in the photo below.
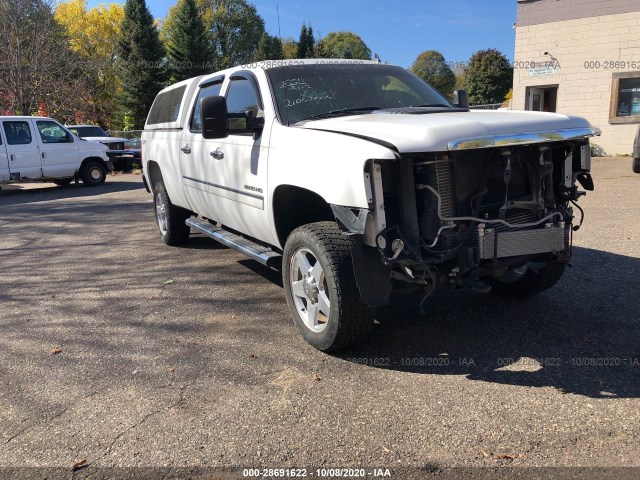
(123, 352)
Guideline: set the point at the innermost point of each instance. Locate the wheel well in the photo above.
(91, 159)
(295, 206)
(154, 174)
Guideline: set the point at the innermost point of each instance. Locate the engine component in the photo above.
(496, 244)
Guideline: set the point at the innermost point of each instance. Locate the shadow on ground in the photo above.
(579, 337)
(18, 196)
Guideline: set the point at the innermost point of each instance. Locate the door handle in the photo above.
(217, 154)
(13, 157)
(186, 149)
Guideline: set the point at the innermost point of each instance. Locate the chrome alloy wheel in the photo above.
(309, 290)
(161, 214)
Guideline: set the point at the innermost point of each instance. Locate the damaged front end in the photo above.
(470, 217)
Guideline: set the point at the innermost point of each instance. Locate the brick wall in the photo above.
(582, 91)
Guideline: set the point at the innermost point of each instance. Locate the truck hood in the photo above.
(442, 131)
(105, 139)
(93, 146)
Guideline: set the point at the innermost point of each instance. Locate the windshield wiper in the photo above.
(432, 105)
(343, 111)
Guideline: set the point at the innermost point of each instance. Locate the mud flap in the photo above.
(372, 276)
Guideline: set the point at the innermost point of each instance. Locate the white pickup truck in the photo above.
(359, 178)
(40, 149)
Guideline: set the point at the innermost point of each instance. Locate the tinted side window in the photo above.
(166, 106)
(196, 117)
(240, 98)
(51, 132)
(18, 132)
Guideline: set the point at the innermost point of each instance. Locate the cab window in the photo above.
(51, 132)
(17, 132)
(209, 90)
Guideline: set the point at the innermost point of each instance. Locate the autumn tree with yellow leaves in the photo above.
(93, 35)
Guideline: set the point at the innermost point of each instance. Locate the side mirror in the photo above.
(255, 119)
(461, 99)
(214, 117)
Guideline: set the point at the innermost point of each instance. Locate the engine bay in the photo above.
(455, 218)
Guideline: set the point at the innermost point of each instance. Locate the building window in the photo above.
(625, 98)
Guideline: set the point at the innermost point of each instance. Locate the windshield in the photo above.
(88, 131)
(313, 90)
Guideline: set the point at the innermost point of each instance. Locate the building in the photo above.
(581, 57)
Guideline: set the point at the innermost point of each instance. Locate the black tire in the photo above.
(636, 165)
(350, 319)
(531, 283)
(61, 182)
(172, 228)
(93, 173)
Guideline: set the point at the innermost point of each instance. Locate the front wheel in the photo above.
(321, 289)
(527, 280)
(93, 173)
(169, 218)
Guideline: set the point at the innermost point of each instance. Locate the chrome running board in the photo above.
(255, 251)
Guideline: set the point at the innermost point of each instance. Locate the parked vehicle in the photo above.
(636, 153)
(40, 149)
(94, 133)
(357, 177)
(121, 152)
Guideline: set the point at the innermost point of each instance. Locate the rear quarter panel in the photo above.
(163, 147)
(160, 143)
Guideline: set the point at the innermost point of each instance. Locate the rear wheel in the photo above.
(169, 218)
(93, 173)
(636, 165)
(320, 287)
(527, 280)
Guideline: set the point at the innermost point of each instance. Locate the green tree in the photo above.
(269, 48)
(142, 64)
(306, 42)
(488, 77)
(433, 69)
(343, 45)
(235, 29)
(289, 48)
(188, 45)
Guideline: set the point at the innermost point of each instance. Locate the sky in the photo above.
(398, 31)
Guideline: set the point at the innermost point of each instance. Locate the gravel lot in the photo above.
(185, 357)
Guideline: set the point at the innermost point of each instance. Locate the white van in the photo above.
(40, 149)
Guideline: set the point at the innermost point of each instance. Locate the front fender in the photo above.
(329, 164)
